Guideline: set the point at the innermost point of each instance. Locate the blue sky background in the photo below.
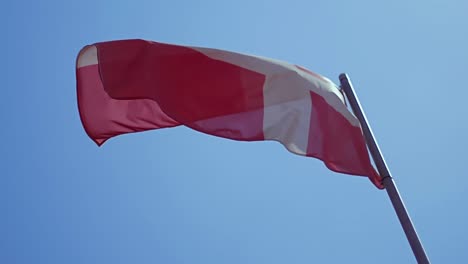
(179, 196)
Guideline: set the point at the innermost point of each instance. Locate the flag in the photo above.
(129, 86)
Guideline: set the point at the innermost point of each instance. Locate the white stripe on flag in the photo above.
(289, 124)
(87, 56)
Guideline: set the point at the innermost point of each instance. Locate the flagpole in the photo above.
(387, 179)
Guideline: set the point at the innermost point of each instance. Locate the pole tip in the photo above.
(343, 76)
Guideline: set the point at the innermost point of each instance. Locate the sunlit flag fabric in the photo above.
(136, 85)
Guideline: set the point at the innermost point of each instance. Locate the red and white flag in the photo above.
(135, 85)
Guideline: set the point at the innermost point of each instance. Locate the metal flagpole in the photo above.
(387, 179)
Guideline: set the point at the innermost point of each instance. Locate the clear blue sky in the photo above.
(179, 196)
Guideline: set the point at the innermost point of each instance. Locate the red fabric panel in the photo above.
(104, 117)
(187, 84)
(339, 144)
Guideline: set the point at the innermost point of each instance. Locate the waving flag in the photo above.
(135, 85)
